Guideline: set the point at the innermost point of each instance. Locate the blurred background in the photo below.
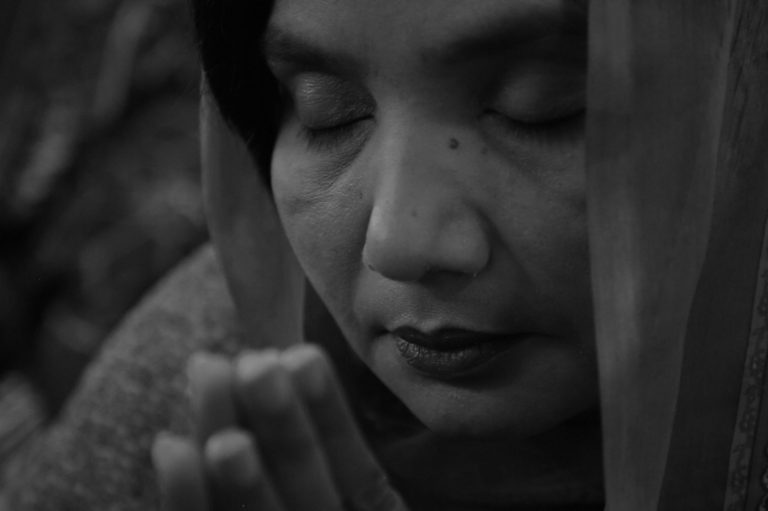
(99, 185)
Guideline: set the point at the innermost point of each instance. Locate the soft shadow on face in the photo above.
(429, 175)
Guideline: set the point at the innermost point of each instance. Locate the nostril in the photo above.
(395, 259)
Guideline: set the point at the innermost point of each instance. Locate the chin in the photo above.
(524, 393)
(468, 413)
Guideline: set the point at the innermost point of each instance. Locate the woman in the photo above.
(426, 163)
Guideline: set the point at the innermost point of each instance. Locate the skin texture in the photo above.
(429, 173)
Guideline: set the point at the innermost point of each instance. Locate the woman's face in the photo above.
(429, 172)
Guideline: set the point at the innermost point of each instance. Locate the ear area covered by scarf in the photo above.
(262, 272)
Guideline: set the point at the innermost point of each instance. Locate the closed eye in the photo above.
(543, 129)
(332, 137)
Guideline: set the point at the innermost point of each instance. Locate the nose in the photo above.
(423, 221)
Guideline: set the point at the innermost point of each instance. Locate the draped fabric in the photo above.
(97, 455)
(678, 172)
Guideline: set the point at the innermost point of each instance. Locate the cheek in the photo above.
(563, 272)
(563, 228)
(555, 250)
(543, 223)
(326, 225)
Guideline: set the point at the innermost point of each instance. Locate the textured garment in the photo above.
(97, 456)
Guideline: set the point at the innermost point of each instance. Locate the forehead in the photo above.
(417, 27)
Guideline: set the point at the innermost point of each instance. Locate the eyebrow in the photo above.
(283, 46)
(500, 35)
(280, 45)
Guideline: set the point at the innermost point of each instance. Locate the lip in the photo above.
(451, 352)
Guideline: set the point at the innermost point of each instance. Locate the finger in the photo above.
(210, 388)
(283, 430)
(180, 474)
(238, 476)
(358, 475)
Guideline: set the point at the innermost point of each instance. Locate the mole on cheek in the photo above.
(453, 143)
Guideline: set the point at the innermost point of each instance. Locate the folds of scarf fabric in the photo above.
(678, 197)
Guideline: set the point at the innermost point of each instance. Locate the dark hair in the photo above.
(229, 35)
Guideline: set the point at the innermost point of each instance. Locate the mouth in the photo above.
(450, 353)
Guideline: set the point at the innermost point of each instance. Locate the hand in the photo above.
(273, 433)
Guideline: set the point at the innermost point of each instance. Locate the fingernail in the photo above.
(201, 367)
(307, 366)
(233, 455)
(265, 384)
(164, 446)
(199, 364)
(196, 369)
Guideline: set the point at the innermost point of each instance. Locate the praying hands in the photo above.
(273, 433)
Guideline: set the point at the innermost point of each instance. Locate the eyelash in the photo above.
(543, 132)
(333, 137)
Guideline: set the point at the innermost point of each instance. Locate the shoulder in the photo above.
(96, 456)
